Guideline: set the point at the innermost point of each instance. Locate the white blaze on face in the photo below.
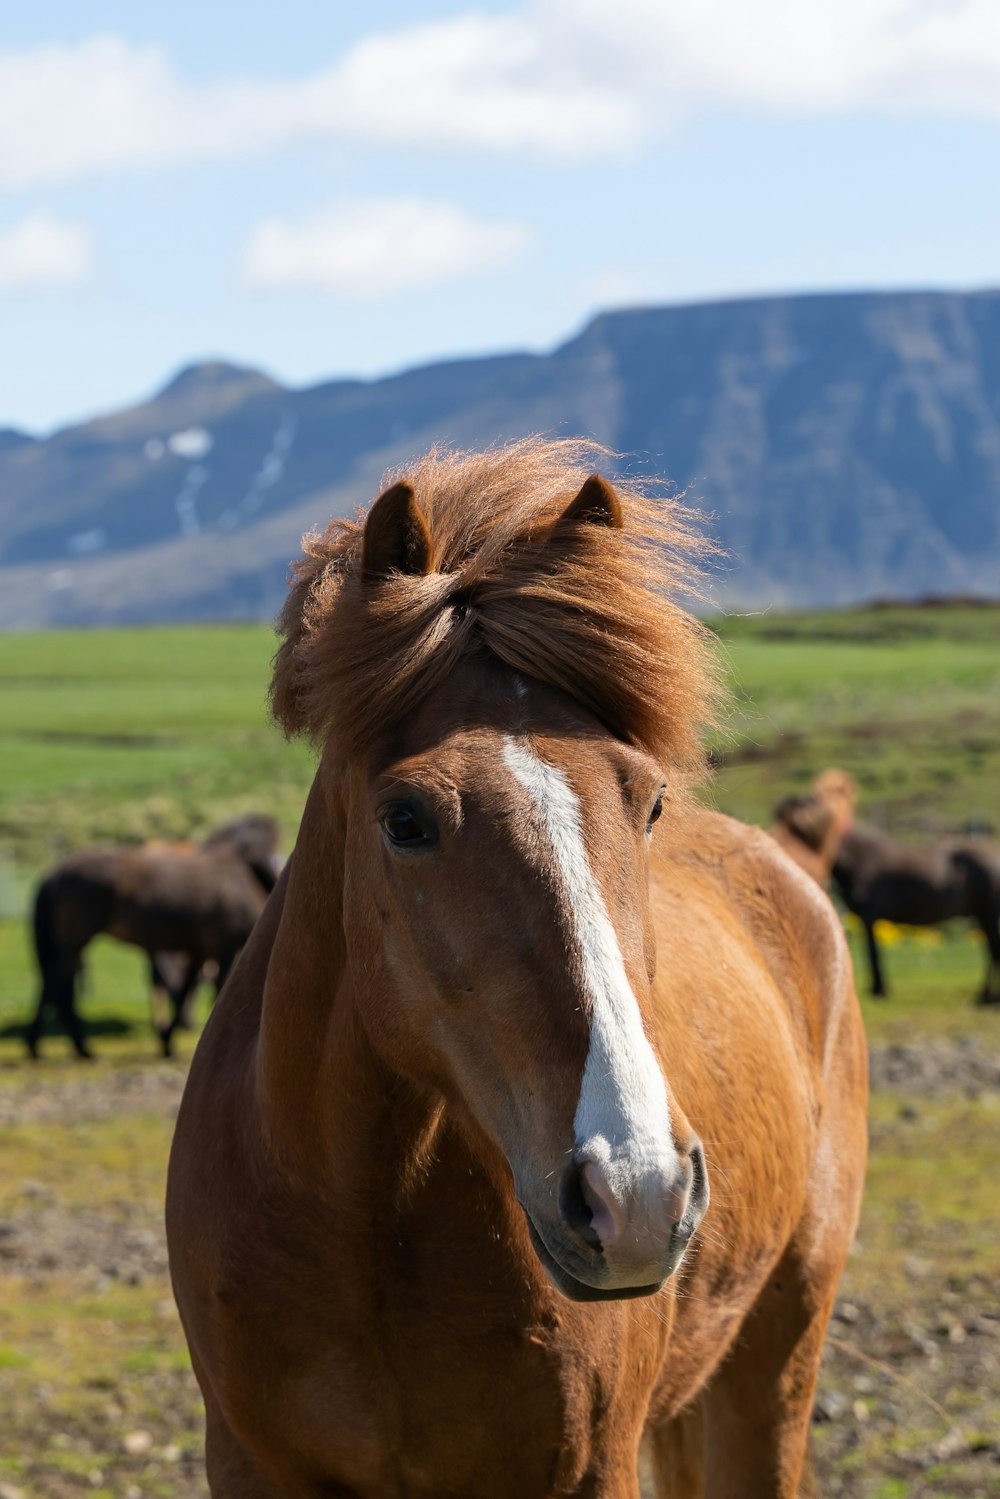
(623, 1116)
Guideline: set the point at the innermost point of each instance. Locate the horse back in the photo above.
(160, 900)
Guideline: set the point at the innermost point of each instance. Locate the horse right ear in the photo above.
(396, 536)
(596, 505)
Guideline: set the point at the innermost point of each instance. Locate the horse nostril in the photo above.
(698, 1199)
(573, 1206)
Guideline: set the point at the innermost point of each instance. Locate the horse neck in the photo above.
(324, 1095)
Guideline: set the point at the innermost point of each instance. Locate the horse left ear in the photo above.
(396, 536)
(596, 505)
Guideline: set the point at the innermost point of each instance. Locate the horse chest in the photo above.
(424, 1400)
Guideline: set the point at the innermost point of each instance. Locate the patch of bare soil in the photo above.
(154, 1089)
(909, 1395)
(125, 1244)
(909, 1398)
(936, 1066)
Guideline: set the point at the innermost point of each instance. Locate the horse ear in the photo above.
(596, 505)
(396, 536)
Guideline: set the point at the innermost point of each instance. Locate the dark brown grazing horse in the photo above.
(436, 1197)
(882, 880)
(175, 977)
(200, 904)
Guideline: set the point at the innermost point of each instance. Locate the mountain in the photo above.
(844, 446)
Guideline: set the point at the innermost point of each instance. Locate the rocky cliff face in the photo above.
(843, 446)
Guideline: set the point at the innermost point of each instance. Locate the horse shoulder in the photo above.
(778, 917)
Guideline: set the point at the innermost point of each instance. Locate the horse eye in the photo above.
(403, 827)
(656, 813)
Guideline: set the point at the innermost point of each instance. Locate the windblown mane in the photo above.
(585, 608)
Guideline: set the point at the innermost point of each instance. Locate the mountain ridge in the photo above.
(845, 445)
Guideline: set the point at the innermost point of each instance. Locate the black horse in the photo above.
(184, 909)
(882, 880)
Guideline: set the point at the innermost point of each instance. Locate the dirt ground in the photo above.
(98, 1398)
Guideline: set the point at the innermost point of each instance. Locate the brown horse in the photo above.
(811, 825)
(880, 879)
(201, 905)
(175, 977)
(436, 1192)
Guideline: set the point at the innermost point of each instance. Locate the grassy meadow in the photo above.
(124, 735)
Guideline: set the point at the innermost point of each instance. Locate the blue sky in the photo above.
(333, 190)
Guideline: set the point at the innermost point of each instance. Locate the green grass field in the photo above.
(124, 735)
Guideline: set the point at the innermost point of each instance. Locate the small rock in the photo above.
(8, 1491)
(956, 1333)
(860, 1411)
(171, 1453)
(138, 1442)
(950, 1445)
(829, 1406)
(846, 1311)
(982, 1325)
(864, 1385)
(916, 1267)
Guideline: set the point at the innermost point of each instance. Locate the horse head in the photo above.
(497, 824)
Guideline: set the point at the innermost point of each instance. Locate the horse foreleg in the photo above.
(33, 1029)
(676, 1454)
(64, 995)
(874, 961)
(231, 1473)
(224, 969)
(757, 1408)
(989, 921)
(180, 996)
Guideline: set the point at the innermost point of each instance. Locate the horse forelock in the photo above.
(589, 609)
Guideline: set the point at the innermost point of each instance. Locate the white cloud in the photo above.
(69, 111)
(499, 82)
(559, 77)
(786, 55)
(40, 252)
(379, 246)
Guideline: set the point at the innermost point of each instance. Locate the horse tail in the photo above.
(50, 949)
(43, 925)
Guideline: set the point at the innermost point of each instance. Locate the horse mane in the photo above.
(589, 609)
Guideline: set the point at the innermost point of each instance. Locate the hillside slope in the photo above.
(844, 446)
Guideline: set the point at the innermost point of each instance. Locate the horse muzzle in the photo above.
(620, 1231)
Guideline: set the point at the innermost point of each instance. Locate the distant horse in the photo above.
(810, 826)
(882, 880)
(436, 1191)
(200, 904)
(174, 977)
